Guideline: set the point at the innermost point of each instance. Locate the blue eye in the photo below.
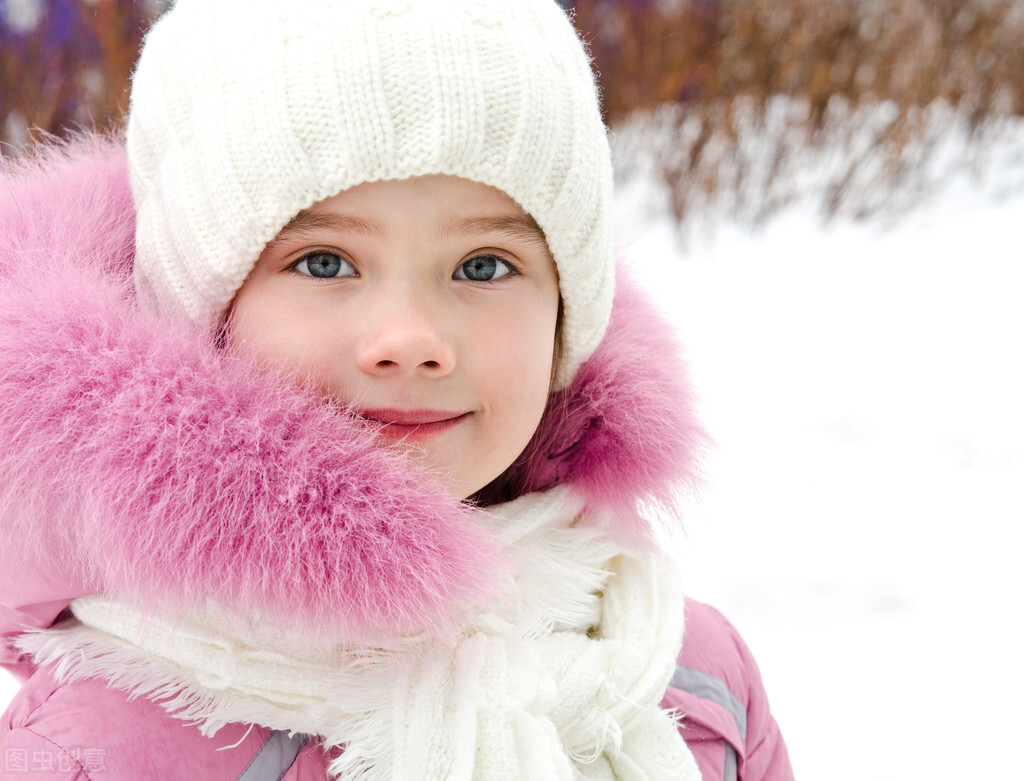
(482, 268)
(324, 265)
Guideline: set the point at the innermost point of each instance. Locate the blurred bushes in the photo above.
(969, 53)
(743, 106)
(65, 64)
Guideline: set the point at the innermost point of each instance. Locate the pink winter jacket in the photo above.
(138, 460)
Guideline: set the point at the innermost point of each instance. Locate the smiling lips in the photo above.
(412, 423)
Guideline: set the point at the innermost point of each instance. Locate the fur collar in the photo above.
(142, 461)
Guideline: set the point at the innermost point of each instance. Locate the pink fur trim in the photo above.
(165, 469)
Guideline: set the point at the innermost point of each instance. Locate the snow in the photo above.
(865, 500)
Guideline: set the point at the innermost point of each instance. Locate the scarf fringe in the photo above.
(75, 651)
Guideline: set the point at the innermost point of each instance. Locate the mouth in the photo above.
(411, 424)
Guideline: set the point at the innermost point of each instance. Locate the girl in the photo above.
(326, 445)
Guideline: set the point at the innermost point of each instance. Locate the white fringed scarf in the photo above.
(561, 680)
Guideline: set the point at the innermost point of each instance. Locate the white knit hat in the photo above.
(245, 112)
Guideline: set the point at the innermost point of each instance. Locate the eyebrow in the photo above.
(309, 221)
(516, 226)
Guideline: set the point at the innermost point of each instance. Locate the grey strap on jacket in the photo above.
(708, 687)
(274, 757)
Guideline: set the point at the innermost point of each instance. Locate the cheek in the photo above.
(271, 330)
(520, 369)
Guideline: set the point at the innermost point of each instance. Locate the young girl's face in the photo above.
(428, 305)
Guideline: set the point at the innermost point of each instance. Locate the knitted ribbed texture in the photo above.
(245, 112)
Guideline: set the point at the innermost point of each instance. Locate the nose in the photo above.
(406, 335)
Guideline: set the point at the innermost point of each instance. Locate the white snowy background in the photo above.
(864, 383)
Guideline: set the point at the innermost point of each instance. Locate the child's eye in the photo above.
(483, 268)
(324, 265)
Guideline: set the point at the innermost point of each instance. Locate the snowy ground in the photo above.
(865, 502)
(866, 498)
